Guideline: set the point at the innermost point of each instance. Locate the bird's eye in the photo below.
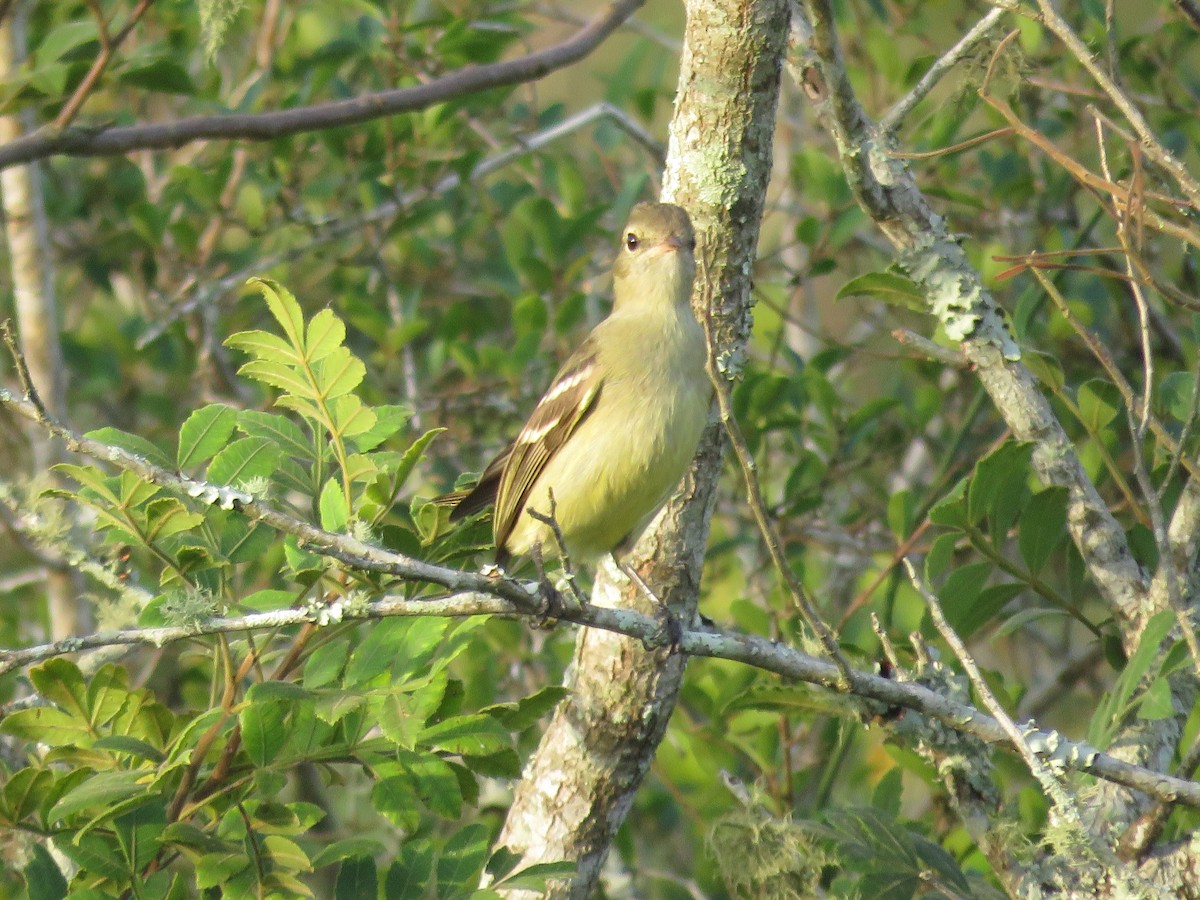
(631, 241)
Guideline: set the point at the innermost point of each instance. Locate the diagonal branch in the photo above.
(887, 190)
(267, 126)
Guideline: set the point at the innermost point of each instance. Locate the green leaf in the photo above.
(350, 417)
(951, 510)
(93, 479)
(167, 516)
(131, 443)
(984, 608)
(357, 879)
(347, 848)
(278, 375)
(263, 731)
(280, 430)
(376, 654)
(412, 871)
(1157, 702)
(413, 455)
(265, 346)
(284, 308)
(1099, 402)
(326, 332)
(163, 75)
(890, 287)
(961, 589)
(338, 373)
(205, 432)
(389, 419)
(999, 485)
(102, 790)
(43, 879)
(244, 459)
(62, 39)
(475, 735)
(1043, 527)
(335, 511)
(462, 859)
(394, 798)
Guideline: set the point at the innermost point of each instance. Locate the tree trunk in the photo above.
(580, 783)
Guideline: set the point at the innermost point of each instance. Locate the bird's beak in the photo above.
(670, 245)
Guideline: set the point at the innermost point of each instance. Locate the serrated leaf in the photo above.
(278, 429)
(326, 332)
(263, 731)
(167, 516)
(204, 432)
(998, 485)
(961, 589)
(350, 417)
(265, 346)
(43, 878)
(412, 456)
(132, 443)
(278, 375)
(357, 879)
(412, 871)
(339, 373)
(394, 798)
(91, 478)
(389, 419)
(242, 460)
(284, 308)
(62, 39)
(474, 735)
(462, 859)
(104, 789)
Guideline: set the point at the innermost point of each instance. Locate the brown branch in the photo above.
(267, 126)
(108, 46)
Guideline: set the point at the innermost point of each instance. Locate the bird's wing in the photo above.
(568, 400)
(482, 495)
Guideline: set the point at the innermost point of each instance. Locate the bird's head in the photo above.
(657, 256)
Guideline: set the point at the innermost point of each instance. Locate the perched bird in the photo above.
(617, 427)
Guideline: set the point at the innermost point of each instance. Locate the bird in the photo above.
(616, 429)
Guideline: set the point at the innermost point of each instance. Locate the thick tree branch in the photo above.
(79, 141)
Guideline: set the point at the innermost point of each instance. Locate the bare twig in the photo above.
(766, 527)
(1150, 142)
(1023, 737)
(109, 44)
(319, 116)
(891, 120)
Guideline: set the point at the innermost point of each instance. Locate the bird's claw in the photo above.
(669, 633)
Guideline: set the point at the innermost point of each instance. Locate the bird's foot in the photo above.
(669, 633)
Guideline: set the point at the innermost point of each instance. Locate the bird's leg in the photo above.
(552, 601)
(565, 558)
(670, 631)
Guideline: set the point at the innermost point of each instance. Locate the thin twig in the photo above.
(766, 527)
(318, 116)
(1022, 737)
(890, 121)
(108, 46)
(1149, 141)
